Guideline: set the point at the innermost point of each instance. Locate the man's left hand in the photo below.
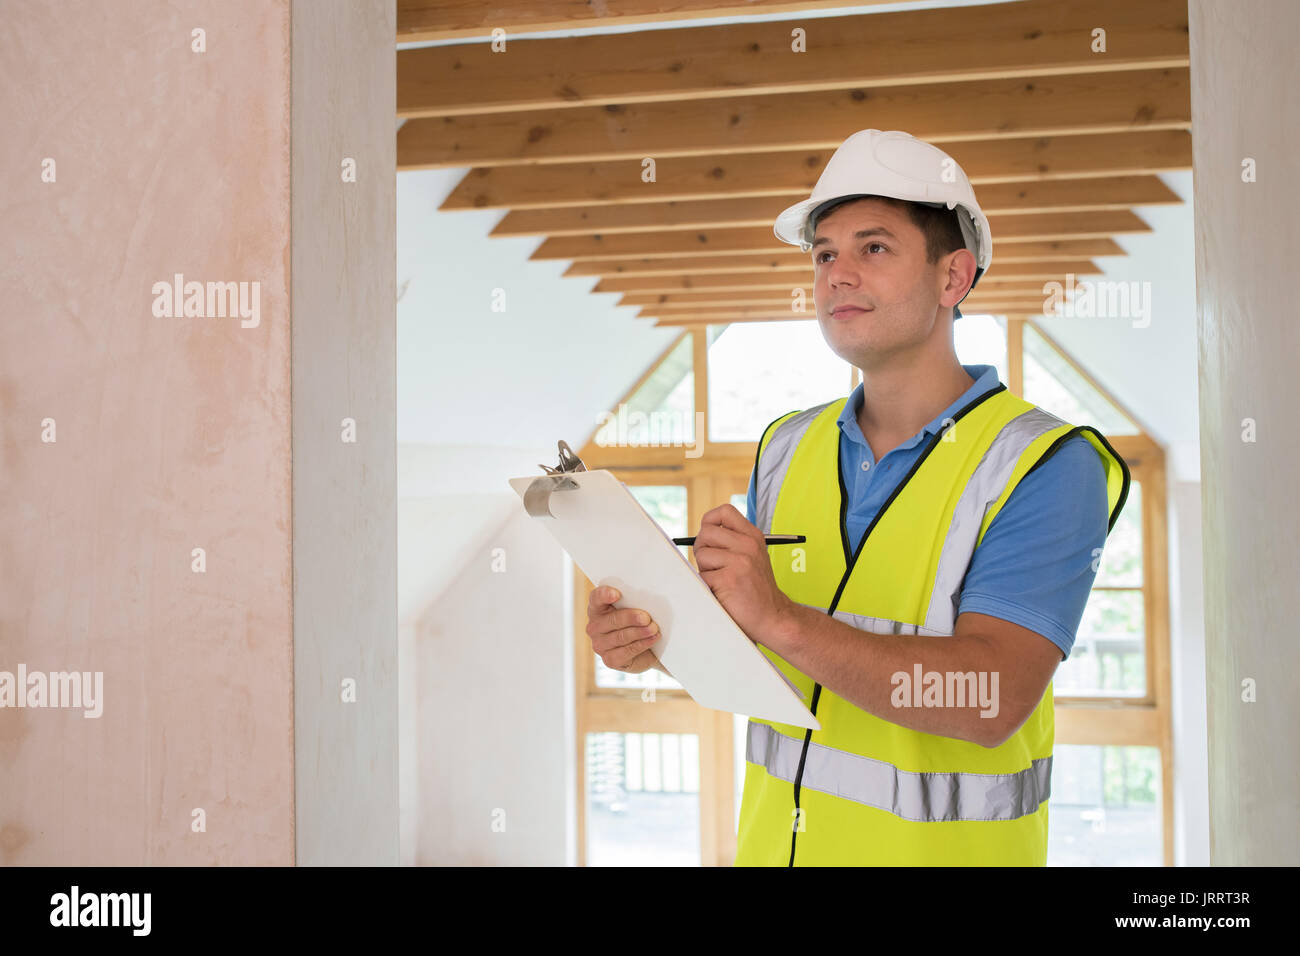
(733, 561)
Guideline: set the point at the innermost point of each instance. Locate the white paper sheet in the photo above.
(616, 543)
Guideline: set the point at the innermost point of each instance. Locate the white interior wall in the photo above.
(1244, 77)
(1187, 663)
(1149, 366)
(493, 661)
(346, 774)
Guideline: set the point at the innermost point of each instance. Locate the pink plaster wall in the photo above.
(172, 433)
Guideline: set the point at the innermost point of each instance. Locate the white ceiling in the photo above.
(523, 377)
(1152, 371)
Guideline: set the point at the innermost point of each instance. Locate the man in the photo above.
(953, 533)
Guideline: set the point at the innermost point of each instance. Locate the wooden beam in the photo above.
(608, 712)
(785, 280)
(1024, 260)
(935, 112)
(420, 21)
(781, 307)
(783, 312)
(778, 279)
(1015, 228)
(1062, 195)
(781, 295)
(665, 306)
(740, 265)
(801, 281)
(721, 284)
(1006, 230)
(1015, 355)
(1001, 41)
(1105, 725)
(743, 315)
(793, 173)
(727, 319)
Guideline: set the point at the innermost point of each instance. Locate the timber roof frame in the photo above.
(1060, 137)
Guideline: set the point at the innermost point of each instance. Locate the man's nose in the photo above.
(841, 273)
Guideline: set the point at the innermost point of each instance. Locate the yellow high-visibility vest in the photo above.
(863, 790)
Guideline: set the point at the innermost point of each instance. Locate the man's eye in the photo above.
(867, 248)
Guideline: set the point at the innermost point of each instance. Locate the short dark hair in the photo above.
(938, 224)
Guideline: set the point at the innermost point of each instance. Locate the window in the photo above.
(643, 806)
(981, 340)
(661, 409)
(1109, 654)
(1053, 383)
(1112, 696)
(1105, 806)
(761, 370)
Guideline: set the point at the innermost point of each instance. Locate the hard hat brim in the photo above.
(788, 226)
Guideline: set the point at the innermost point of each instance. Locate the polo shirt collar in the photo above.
(985, 376)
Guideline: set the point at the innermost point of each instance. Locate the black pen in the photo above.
(767, 539)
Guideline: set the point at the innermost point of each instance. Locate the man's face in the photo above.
(874, 290)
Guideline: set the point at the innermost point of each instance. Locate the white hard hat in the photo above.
(898, 165)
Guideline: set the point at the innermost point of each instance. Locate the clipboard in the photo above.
(594, 517)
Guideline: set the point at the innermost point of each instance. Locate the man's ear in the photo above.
(958, 274)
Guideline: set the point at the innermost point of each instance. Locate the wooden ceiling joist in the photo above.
(423, 20)
(935, 112)
(1005, 229)
(1056, 196)
(786, 279)
(1002, 160)
(783, 303)
(950, 45)
(1061, 139)
(728, 317)
(1006, 259)
(768, 296)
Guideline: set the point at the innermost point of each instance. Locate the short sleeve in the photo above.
(751, 501)
(1037, 562)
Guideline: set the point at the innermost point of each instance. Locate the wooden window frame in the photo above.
(1145, 721)
(722, 468)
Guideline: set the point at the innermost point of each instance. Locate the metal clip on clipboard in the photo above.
(537, 499)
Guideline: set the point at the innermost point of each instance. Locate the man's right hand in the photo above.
(622, 637)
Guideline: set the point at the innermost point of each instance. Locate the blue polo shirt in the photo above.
(1034, 566)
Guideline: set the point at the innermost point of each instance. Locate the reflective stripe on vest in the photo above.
(774, 459)
(921, 797)
(990, 477)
